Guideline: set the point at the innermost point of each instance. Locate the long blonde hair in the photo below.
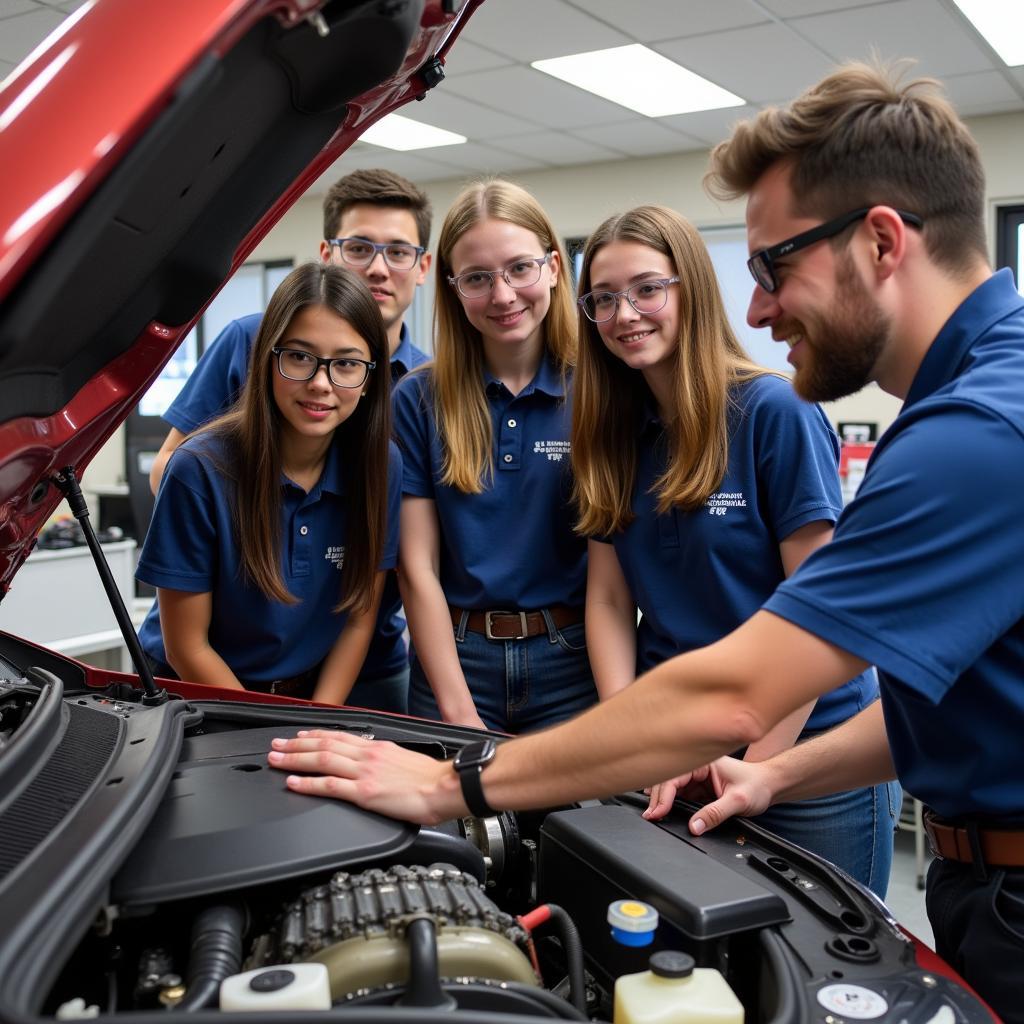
(609, 397)
(460, 404)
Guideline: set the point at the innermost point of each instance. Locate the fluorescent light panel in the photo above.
(1001, 22)
(638, 78)
(397, 132)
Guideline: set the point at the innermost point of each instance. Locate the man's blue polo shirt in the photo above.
(193, 547)
(215, 384)
(925, 576)
(697, 575)
(511, 546)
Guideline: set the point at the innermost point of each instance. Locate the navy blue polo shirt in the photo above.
(192, 547)
(925, 576)
(215, 384)
(697, 575)
(511, 546)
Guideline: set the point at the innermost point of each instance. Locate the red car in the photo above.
(149, 860)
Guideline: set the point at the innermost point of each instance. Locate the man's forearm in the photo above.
(853, 754)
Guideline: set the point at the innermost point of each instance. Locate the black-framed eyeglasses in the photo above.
(342, 371)
(762, 263)
(521, 274)
(645, 297)
(360, 252)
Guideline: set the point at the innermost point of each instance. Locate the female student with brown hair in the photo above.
(702, 482)
(492, 574)
(274, 524)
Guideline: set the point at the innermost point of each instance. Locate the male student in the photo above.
(865, 221)
(376, 223)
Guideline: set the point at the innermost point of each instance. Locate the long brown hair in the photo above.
(460, 405)
(609, 397)
(252, 432)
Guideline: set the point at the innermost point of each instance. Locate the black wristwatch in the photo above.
(469, 764)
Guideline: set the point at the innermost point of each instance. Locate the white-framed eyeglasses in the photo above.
(647, 296)
(520, 274)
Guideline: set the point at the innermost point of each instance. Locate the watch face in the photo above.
(475, 754)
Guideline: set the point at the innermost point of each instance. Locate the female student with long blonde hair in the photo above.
(491, 571)
(702, 482)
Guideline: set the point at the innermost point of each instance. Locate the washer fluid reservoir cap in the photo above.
(633, 923)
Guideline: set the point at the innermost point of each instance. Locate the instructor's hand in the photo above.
(740, 788)
(373, 774)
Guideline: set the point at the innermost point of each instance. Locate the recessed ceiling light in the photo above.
(1002, 25)
(397, 132)
(636, 77)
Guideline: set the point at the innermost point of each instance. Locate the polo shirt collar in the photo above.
(946, 359)
(332, 478)
(403, 356)
(547, 379)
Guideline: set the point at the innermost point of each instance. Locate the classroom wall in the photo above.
(578, 198)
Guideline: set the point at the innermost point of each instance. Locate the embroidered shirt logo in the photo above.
(720, 503)
(554, 450)
(336, 554)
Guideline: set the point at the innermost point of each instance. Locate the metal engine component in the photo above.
(355, 925)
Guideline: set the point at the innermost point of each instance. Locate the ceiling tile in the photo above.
(756, 63)
(560, 148)
(532, 94)
(534, 29)
(983, 92)
(9, 8)
(446, 110)
(465, 57)
(669, 19)
(709, 126)
(412, 166)
(923, 29)
(639, 137)
(802, 8)
(480, 159)
(22, 33)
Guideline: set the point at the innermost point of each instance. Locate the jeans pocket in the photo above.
(573, 638)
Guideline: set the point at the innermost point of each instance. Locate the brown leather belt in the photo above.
(511, 625)
(1000, 847)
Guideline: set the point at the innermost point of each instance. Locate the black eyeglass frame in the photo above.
(503, 272)
(378, 247)
(762, 263)
(279, 350)
(617, 296)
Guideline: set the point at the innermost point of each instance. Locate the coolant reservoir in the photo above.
(674, 991)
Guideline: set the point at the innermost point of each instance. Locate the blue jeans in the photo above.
(385, 693)
(852, 829)
(516, 685)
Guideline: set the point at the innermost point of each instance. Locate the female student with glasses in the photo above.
(702, 482)
(275, 523)
(491, 571)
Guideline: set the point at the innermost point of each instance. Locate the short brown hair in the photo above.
(863, 137)
(377, 187)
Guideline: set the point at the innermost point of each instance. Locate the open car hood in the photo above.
(148, 147)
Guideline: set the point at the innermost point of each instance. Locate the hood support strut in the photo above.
(67, 481)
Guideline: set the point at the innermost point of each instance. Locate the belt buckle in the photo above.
(489, 628)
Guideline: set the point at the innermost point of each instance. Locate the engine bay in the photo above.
(151, 861)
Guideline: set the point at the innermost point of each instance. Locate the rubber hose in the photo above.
(424, 988)
(216, 954)
(573, 955)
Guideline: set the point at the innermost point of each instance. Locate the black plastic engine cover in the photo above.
(227, 821)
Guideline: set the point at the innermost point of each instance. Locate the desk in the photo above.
(57, 600)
